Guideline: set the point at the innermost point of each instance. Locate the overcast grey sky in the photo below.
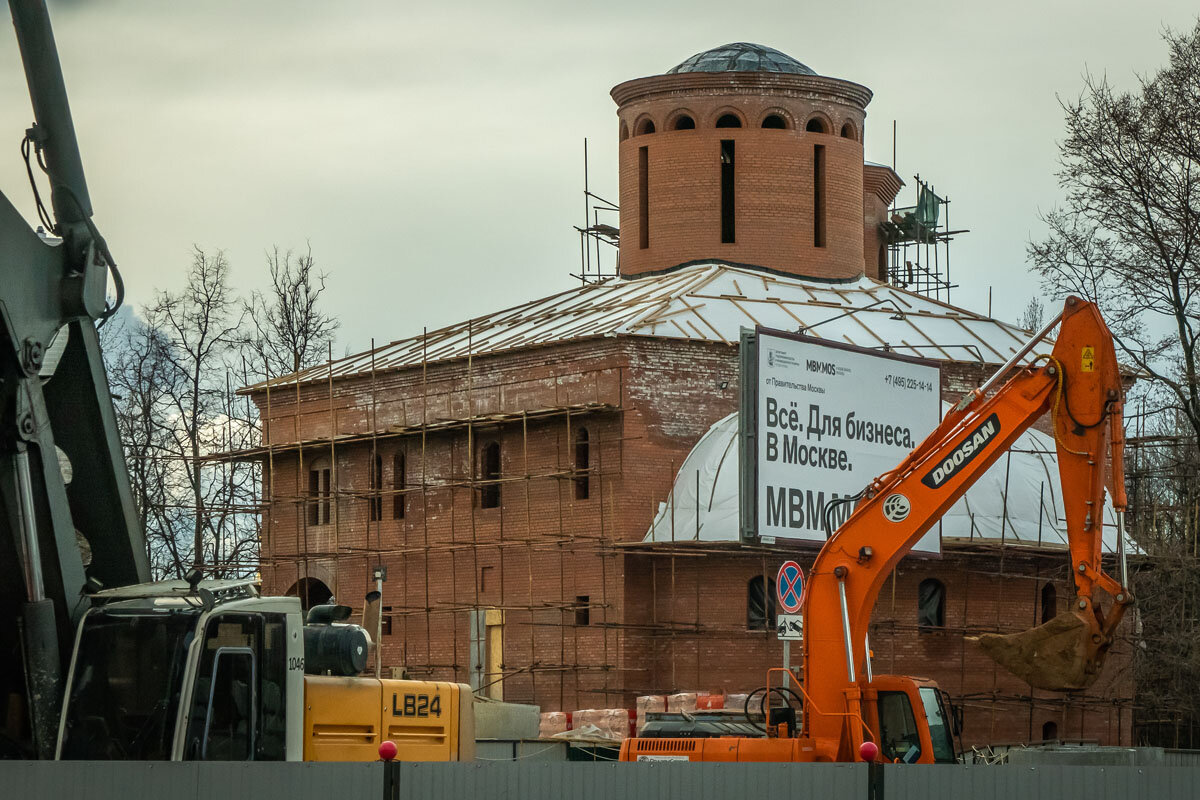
(432, 153)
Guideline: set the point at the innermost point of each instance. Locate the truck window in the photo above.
(939, 726)
(124, 696)
(898, 728)
(229, 726)
(272, 737)
(223, 722)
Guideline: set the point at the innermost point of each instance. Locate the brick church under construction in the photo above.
(541, 483)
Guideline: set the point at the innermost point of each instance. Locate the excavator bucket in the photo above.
(1062, 655)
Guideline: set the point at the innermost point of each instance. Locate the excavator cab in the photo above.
(913, 718)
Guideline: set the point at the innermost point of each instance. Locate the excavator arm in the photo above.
(1079, 383)
(63, 481)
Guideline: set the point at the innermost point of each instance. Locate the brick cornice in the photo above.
(741, 83)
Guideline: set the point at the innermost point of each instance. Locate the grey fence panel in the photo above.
(1181, 758)
(115, 780)
(660, 781)
(979, 782)
(288, 781)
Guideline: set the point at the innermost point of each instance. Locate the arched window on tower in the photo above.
(816, 125)
(774, 121)
(489, 474)
(848, 131)
(760, 603)
(1049, 602)
(583, 463)
(684, 123)
(729, 121)
(931, 604)
(645, 126)
(399, 482)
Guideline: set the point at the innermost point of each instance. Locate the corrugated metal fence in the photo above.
(577, 781)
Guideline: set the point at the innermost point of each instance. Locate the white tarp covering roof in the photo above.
(1018, 501)
(707, 302)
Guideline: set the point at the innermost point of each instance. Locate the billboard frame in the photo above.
(748, 351)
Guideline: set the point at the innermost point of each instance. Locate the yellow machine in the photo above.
(209, 670)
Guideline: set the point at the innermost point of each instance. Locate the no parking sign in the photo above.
(789, 587)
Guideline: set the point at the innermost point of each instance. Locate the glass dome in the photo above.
(742, 57)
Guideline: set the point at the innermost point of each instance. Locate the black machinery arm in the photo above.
(66, 510)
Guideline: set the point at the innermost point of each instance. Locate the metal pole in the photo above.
(379, 626)
(867, 653)
(34, 584)
(1121, 549)
(48, 92)
(846, 630)
(787, 662)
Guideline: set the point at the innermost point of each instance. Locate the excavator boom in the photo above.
(1079, 384)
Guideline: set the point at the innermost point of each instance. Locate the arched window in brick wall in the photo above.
(399, 482)
(319, 491)
(1049, 602)
(775, 121)
(683, 122)
(583, 464)
(931, 604)
(489, 475)
(816, 125)
(645, 126)
(1049, 731)
(760, 603)
(729, 121)
(848, 131)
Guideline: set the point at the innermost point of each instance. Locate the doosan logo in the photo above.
(970, 447)
(824, 367)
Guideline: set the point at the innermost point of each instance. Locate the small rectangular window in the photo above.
(583, 609)
(819, 195)
(583, 465)
(314, 494)
(728, 232)
(643, 198)
(318, 493)
(399, 481)
(489, 473)
(375, 501)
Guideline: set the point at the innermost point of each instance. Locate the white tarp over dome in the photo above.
(1017, 501)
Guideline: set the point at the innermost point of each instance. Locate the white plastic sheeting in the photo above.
(704, 302)
(1018, 501)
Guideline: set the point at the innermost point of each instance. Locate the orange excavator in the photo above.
(846, 713)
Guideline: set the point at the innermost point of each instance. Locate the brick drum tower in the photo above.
(743, 154)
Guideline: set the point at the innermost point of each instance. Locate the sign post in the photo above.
(789, 625)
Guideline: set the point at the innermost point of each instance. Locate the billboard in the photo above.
(819, 421)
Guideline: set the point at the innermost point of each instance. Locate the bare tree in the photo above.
(1127, 236)
(1033, 315)
(203, 327)
(291, 332)
(1128, 233)
(135, 356)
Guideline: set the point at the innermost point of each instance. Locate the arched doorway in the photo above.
(311, 591)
